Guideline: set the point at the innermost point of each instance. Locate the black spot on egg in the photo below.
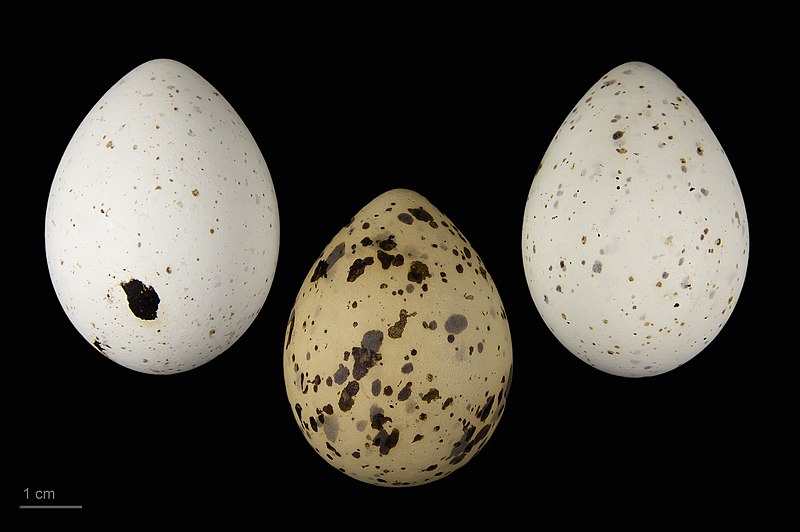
(142, 300)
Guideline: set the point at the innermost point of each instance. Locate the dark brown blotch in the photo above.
(377, 419)
(347, 396)
(421, 214)
(396, 330)
(388, 244)
(418, 272)
(320, 271)
(431, 395)
(358, 267)
(386, 441)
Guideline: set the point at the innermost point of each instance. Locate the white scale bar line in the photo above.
(49, 507)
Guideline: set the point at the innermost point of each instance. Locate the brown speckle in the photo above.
(396, 330)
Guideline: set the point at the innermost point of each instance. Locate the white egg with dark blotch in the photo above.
(162, 226)
(398, 352)
(635, 238)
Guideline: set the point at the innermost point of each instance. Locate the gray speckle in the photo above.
(455, 323)
(331, 428)
(336, 254)
(372, 340)
(341, 374)
(405, 393)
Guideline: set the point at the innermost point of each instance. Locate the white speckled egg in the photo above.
(398, 353)
(162, 223)
(635, 238)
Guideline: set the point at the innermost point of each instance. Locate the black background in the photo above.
(460, 107)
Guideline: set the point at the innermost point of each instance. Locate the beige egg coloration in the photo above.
(635, 238)
(398, 354)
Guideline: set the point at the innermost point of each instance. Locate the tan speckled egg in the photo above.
(161, 229)
(635, 238)
(398, 352)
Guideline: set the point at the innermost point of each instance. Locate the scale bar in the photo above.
(49, 506)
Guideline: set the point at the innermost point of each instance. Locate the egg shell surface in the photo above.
(398, 354)
(162, 227)
(635, 237)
